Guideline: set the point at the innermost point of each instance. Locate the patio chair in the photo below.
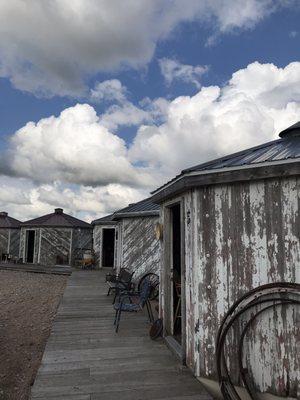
(122, 282)
(112, 276)
(133, 302)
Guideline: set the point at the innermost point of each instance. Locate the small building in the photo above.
(230, 225)
(9, 237)
(55, 239)
(105, 237)
(126, 239)
(138, 249)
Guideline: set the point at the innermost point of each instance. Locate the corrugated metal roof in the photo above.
(142, 208)
(291, 130)
(108, 219)
(57, 219)
(281, 149)
(8, 222)
(286, 148)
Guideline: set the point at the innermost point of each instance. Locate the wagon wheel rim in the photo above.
(154, 282)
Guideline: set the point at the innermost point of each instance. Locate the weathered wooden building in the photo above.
(138, 249)
(230, 225)
(56, 238)
(9, 237)
(105, 237)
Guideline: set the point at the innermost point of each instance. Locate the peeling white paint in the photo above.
(240, 236)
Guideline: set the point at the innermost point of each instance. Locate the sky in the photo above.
(103, 101)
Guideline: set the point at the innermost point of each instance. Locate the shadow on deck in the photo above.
(86, 360)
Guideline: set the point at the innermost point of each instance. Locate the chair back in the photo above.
(125, 276)
(145, 292)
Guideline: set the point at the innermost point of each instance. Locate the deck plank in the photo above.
(85, 359)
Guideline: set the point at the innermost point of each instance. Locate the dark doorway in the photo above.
(30, 241)
(176, 264)
(108, 247)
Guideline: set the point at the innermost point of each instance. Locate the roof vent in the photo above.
(59, 211)
(3, 214)
(292, 131)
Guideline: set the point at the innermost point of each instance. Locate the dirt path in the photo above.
(28, 303)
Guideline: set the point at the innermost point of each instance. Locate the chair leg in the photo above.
(116, 315)
(118, 320)
(151, 313)
(115, 296)
(149, 310)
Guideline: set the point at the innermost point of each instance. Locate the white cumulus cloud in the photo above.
(109, 90)
(52, 47)
(174, 70)
(257, 103)
(73, 147)
(74, 161)
(24, 200)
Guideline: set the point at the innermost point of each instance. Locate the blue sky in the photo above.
(269, 42)
(221, 41)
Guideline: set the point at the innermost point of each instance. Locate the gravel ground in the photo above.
(28, 304)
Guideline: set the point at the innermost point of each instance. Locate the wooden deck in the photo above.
(86, 360)
(37, 268)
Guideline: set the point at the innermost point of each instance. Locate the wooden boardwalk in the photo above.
(86, 360)
(37, 268)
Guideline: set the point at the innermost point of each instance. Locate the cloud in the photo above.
(293, 34)
(52, 47)
(173, 70)
(73, 147)
(242, 14)
(110, 90)
(24, 200)
(74, 161)
(123, 112)
(257, 103)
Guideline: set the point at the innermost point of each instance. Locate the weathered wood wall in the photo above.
(82, 240)
(4, 233)
(54, 242)
(14, 242)
(139, 249)
(237, 237)
(10, 241)
(50, 243)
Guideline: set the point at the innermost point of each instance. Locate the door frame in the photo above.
(26, 245)
(167, 278)
(110, 227)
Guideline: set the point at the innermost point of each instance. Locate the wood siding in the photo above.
(140, 250)
(4, 238)
(54, 243)
(10, 241)
(237, 237)
(82, 239)
(50, 243)
(14, 242)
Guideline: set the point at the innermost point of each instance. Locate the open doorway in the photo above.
(30, 243)
(177, 270)
(108, 247)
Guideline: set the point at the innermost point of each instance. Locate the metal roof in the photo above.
(108, 219)
(284, 149)
(8, 222)
(291, 131)
(281, 149)
(57, 219)
(142, 208)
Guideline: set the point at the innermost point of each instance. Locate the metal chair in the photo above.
(133, 302)
(122, 282)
